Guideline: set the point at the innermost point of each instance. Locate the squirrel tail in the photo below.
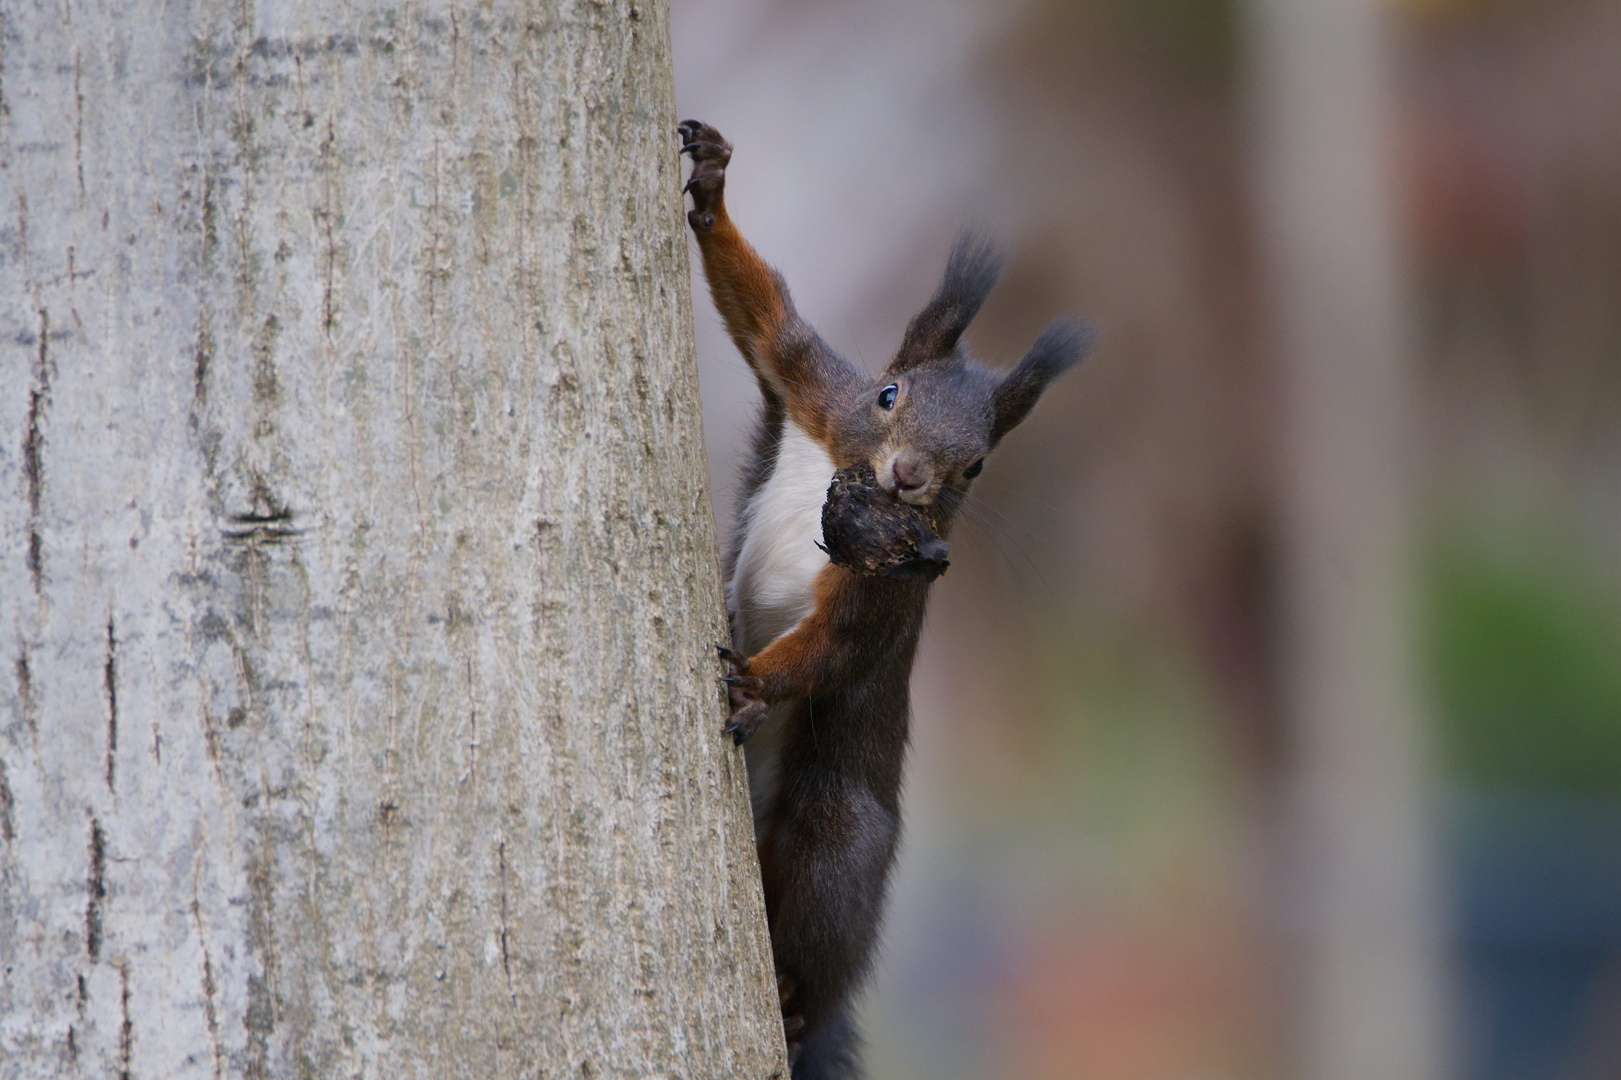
(831, 1051)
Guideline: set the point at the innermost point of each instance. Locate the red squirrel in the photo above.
(819, 679)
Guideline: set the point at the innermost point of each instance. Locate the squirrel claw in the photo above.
(709, 153)
(745, 722)
(696, 136)
(747, 710)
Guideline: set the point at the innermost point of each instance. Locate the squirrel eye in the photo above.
(973, 470)
(886, 396)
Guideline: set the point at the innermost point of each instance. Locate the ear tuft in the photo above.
(971, 271)
(1060, 347)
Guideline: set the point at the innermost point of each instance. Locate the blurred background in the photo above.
(1268, 724)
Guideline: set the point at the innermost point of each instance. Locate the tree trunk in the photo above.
(360, 590)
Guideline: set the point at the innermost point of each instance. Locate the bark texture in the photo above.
(359, 591)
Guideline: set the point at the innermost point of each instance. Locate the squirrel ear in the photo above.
(970, 272)
(1059, 348)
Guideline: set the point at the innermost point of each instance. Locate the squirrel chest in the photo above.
(773, 583)
(772, 587)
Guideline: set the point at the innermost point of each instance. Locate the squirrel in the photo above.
(823, 656)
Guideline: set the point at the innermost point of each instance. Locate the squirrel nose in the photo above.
(910, 473)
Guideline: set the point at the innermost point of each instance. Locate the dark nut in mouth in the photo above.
(869, 531)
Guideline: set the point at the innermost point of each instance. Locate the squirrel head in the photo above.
(929, 420)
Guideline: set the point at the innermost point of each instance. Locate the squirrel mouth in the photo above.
(918, 496)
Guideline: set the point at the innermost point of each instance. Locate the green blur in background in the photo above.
(1525, 644)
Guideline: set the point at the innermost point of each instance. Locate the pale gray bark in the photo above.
(1364, 899)
(359, 712)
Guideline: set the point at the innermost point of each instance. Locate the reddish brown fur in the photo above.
(746, 290)
(799, 662)
(790, 361)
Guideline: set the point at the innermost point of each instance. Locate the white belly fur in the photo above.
(773, 584)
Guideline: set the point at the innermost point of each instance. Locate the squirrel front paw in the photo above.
(707, 185)
(747, 709)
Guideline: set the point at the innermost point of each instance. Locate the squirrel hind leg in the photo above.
(825, 862)
(831, 1052)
